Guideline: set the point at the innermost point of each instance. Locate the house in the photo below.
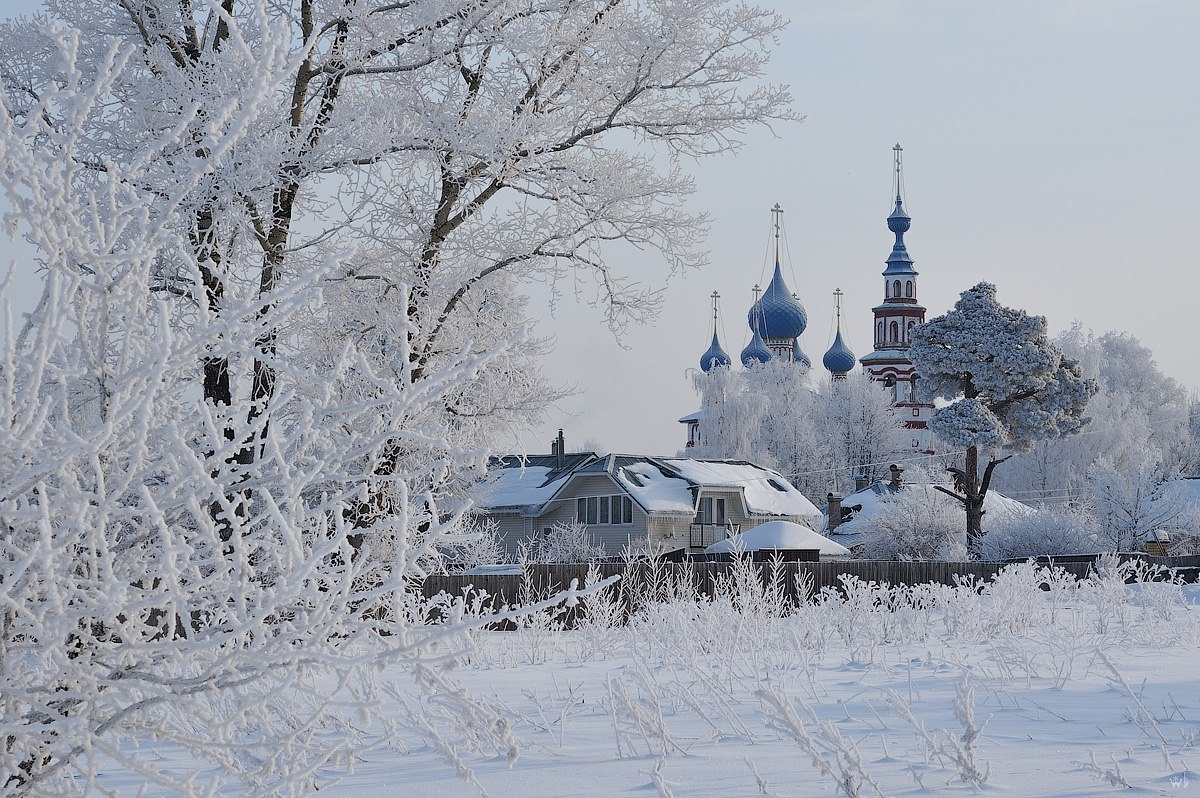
(682, 503)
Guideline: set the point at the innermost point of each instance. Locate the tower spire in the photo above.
(715, 297)
(777, 216)
(837, 300)
(898, 179)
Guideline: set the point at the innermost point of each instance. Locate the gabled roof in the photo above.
(524, 483)
(658, 485)
(765, 491)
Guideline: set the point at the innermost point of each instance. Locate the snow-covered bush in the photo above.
(480, 544)
(564, 542)
(1053, 529)
(918, 523)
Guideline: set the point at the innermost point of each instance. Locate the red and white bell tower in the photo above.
(894, 320)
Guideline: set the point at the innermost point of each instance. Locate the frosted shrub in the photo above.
(1045, 531)
(566, 542)
(480, 544)
(917, 524)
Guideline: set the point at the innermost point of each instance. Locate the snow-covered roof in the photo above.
(884, 355)
(654, 490)
(695, 416)
(766, 491)
(519, 488)
(658, 485)
(778, 535)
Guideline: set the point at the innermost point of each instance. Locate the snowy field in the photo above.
(1032, 686)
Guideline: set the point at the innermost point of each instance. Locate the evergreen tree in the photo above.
(1007, 383)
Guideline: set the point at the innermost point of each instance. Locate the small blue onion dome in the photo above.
(899, 263)
(798, 355)
(715, 356)
(755, 351)
(780, 314)
(899, 221)
(839, 359)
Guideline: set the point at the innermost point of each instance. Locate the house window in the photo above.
(604, 510)
(916, 412)
(712, 511)
(908, 288)
(916, 443)
(895, 332)
(896, 288)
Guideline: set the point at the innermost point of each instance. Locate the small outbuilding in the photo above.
(779, 536)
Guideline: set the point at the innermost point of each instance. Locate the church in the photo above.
(777, 319)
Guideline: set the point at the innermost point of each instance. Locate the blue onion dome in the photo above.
(899, 262)
(715, 356)
(899, 221)
(755, 351)
(839, 359)
(780, 314)
(798, 355)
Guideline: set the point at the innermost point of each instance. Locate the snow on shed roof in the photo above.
(778, 535)
(767, 492)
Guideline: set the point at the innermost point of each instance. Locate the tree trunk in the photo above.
(974, 500)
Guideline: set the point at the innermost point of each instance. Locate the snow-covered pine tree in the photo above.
(1007, 384)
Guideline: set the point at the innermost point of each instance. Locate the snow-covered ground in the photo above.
(1077, 690)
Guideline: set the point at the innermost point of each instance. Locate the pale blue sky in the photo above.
(1050, 147)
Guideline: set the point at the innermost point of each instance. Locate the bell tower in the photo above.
(894, 321)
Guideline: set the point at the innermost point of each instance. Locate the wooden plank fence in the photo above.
(542, 580)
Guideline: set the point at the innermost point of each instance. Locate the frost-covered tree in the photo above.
(564, 542)
(858, 429)
(763, 413)
(1136, 405)
(1131, 502)
(149, 595)
(1051, 529)
(1008, 386)
(222, 461)
(821, 440)
(459, 146)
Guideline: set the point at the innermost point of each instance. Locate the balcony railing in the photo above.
(701, 535)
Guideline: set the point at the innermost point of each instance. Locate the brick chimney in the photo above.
(834, 510)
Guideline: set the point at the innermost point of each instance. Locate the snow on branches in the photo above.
(1007, 384)
(281, 244)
